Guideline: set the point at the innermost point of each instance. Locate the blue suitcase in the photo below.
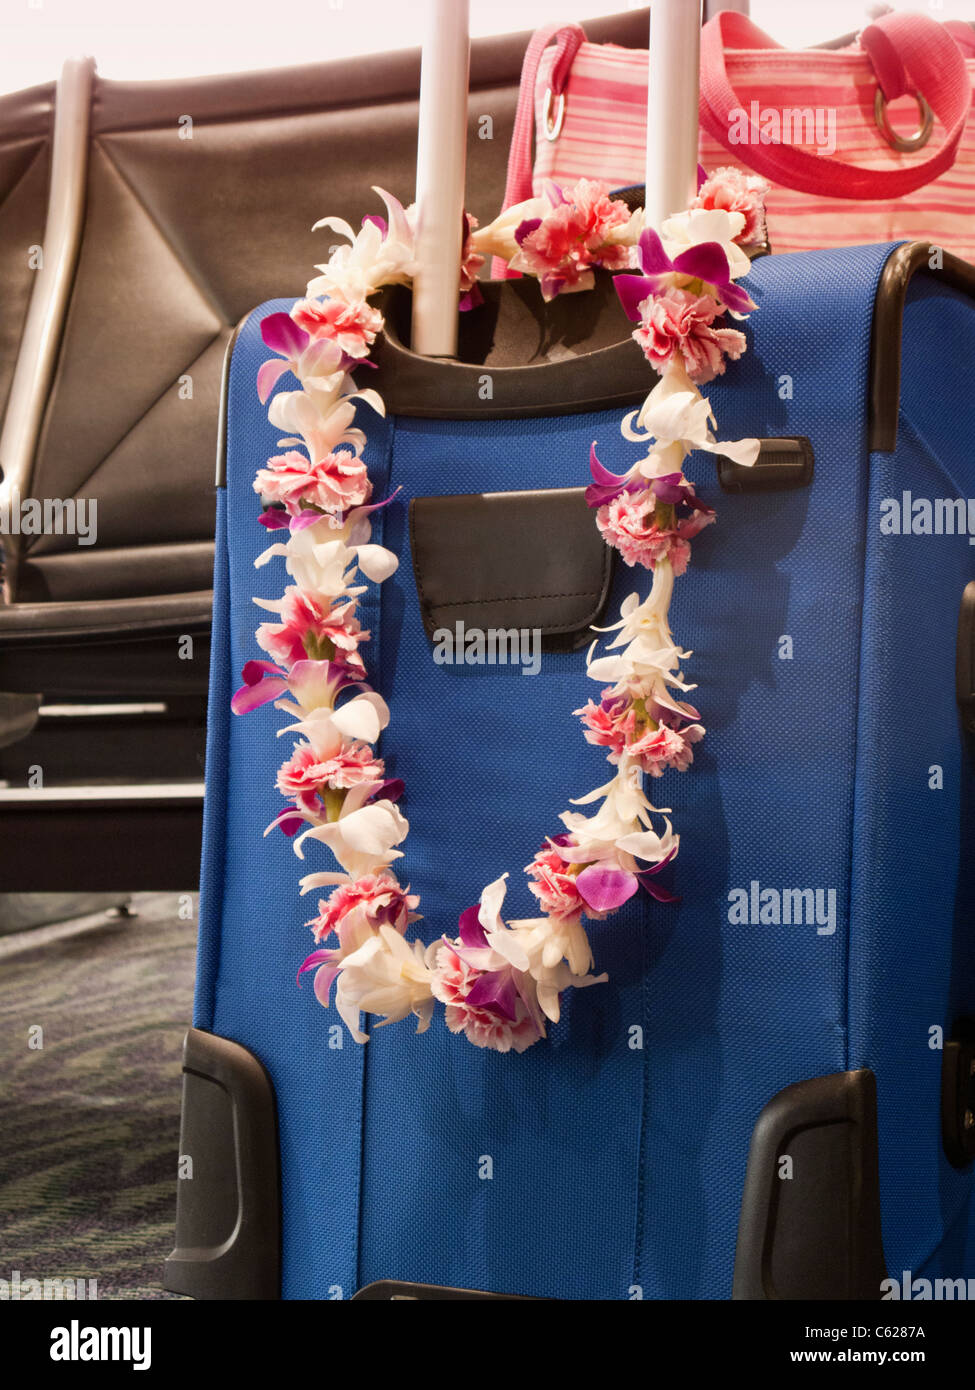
(772, 1096)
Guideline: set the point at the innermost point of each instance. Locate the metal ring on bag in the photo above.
(553, 129)
(920, 137)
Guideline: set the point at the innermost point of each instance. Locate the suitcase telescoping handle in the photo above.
(441, 158)
(672, 108)
(671, 169)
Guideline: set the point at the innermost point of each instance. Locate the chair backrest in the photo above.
(26, 125)
(201, 195)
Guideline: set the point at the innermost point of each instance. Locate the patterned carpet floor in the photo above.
(89, 1123)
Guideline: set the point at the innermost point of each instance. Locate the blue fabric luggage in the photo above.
(770, 1097)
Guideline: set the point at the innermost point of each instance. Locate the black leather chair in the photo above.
(195, 201)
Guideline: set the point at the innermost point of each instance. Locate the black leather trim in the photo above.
(503, 560)
(380, 77)
(39, 624)
(96, 573)
(904, 262)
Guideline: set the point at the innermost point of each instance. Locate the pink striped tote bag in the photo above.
(872, 142)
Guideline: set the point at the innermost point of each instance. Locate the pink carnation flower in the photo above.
(610, 724)
(556, 889)
(341, 628)
(563, 246)
(306, 629)
(643, 729)
(305, 775)
(629, 524)
(679, 323)
(333, 484)
(377, 899)
(665, 747)
(452, 983)
(732, 190)
(353, 327)
(471, 261)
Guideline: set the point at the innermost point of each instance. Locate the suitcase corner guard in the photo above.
(810, 1211)
(228, 1206)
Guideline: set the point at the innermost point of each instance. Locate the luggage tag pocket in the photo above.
(508, 562)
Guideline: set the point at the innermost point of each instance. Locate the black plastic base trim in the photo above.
(810, 1210)
(228, 1213)
(395, 1291)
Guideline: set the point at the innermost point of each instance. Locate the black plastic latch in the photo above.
(965, 659)
(958, 1094)
(782, 464)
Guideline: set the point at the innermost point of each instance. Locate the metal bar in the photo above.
(101, 711)
(672, 101)
(440, 170)
(52, 288)
(148, 792)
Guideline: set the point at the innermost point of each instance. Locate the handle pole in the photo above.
(672, 98)
(440, 169)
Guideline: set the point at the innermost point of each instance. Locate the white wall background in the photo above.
(144, 39)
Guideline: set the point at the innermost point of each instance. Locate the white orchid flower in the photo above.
(500, 939)
(387, 976)
(643, 632)
(498, 237)
(559, 958)
(363, 839)
(707, 224)
(377, 255)
(548, 940)
(319, 560)
(623, 822)
(321, 421)
(361, 719)
(676, 414)
(628, 234)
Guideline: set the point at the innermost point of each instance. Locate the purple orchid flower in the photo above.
(496, 991)
(670, 488)
(706, 261)
(389, 790)
(325, 964)
(656, 891)
(279, 519)
(606, 485)
(604, 885)
(284, 337)
(289, 820)
(263, 681)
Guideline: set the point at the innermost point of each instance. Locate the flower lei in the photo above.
(501, 981)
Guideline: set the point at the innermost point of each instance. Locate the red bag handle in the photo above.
(909, 52)
(518, 186)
